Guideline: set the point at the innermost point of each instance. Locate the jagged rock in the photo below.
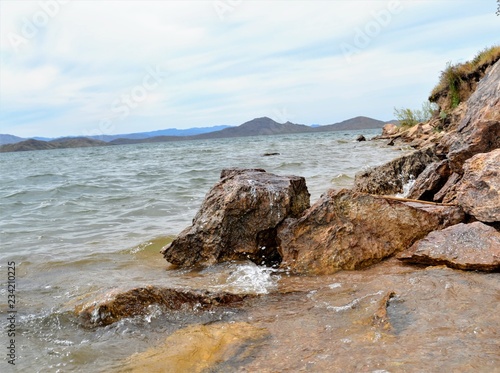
(390, 177)
(484, 103)
(118, 305)
(478, 192)
(430, 181)
(349, 230)
(447, 189)
(474, 246)
(479, 129)
(389, 129)
(238, 219)
(480, 137)
(361, 138)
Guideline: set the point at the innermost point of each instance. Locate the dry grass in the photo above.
(453, 76)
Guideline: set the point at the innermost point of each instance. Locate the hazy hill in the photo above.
(170, 132)
(257, 127)
(32, 144)
(9, 139)
(357, 123)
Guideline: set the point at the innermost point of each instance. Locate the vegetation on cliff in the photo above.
(458, 81)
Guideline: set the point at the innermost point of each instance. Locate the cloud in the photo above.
(223, 62)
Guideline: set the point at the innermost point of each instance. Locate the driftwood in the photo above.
(414, 200)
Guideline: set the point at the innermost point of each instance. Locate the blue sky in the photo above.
(108, 67)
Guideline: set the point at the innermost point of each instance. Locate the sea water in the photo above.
(82, 221)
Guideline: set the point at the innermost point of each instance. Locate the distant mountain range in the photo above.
(256, 127)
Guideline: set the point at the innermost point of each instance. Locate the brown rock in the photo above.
(390, 177)
(473, 246)
(448, 189)
(238, 219)
(349, 230)
(430, 181)
(389, 129)
(479, 129)
(484, 103)
(481, 137)
(117, 305)
(478, 192)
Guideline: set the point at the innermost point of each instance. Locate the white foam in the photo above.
(251, 278)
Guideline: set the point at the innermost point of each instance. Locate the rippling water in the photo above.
(81, 221)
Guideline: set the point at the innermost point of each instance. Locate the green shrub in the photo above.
(408, 117)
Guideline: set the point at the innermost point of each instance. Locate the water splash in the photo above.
(406, 187)
(250, 278)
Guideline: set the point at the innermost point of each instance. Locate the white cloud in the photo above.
(254, 59)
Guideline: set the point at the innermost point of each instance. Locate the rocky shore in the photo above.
(455, 176)
(449, 221)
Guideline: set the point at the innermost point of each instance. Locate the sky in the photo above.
(82, 68)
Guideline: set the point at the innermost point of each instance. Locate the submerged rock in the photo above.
(349, 230)
(199, 348)
(474, 246)
(118, 305)
(390, 177)
(478, 192)
(238, 219)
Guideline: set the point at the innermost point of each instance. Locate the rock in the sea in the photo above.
(117, 305)
(390, 177)
(389, 129)
(349, 230)
(478, 192)
(360, 138)
(474, 246)
(238, 219)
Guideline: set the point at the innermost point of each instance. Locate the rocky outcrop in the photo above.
(473, 246)
(478, 192)
(390, 177)
(480, 137)
(117, 305)
(239, 218)
(349, 230)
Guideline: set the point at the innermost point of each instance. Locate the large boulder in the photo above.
(390, 177)
(238, 219)
(478, 192)
(474, 246)
(117, 305)
(349, 230)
